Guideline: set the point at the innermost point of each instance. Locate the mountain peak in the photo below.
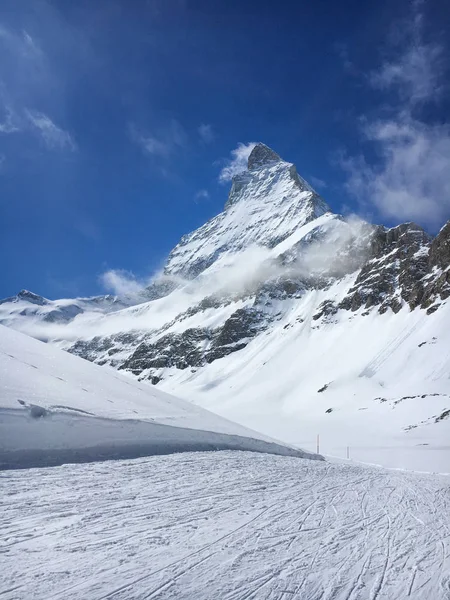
(260, 155)
(31, 297)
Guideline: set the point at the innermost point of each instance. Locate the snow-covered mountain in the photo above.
(288, 318)
(267, 203)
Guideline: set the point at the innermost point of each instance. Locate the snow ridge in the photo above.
(56, 408)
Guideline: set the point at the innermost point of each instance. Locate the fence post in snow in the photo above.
(348, 452)
(318, 445)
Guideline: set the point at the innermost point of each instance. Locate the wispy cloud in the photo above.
(317, 182)
(349, 66)
(53, 136)
(87, 228)
(411, 180)
(161, 144)
(237, 163)
(206, 133)
(121, 282)
(415, 70)
(10, 121)
(201, 195)
(24, 78)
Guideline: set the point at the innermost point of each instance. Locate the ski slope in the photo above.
(224, 525)
(57, 408)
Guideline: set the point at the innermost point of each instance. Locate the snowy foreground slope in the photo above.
(57, 408)
(224, 525)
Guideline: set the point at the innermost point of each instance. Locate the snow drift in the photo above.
(57, 408)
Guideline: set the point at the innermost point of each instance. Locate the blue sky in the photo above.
(117, 119)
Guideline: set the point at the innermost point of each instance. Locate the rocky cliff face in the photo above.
(240, 276)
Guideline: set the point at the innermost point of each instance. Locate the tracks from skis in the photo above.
(226, 525)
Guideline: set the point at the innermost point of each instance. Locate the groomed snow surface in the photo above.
(57, 408)
(224, 526)
(229, 525)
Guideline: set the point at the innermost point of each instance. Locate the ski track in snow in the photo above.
(225, 525)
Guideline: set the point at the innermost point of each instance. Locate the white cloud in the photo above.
(415, 70)
(25, 76)
(164, 143)
(411, 179)
(30, 46)
(201, 195)
(10, 123)
(53, 136)
(151, 145)
(317, 182)
(237, 163)
(206, 133)
(121, 282)
(413, 74)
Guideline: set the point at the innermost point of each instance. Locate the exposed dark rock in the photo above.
(432, 309)
(323, 388)
(437, 283)
(244, 323)
(195, 347)
(279, 289)
(442, 416)
(440, 248)
(221, 351)
(260, 155)
(327, 308)
(394, 272)
(180, 350)
(91, 349)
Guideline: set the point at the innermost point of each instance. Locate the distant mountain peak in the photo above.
(261, 155)
(32, 297)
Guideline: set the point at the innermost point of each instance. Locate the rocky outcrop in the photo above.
(328, 308)
(194, 347)
(436, 285)
(179, 350)
(261, 155)
(393, 275)
(440, 249)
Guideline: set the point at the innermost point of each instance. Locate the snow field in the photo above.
(225, 525)
(57, 408)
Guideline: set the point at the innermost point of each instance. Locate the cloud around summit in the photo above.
(237, 163)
